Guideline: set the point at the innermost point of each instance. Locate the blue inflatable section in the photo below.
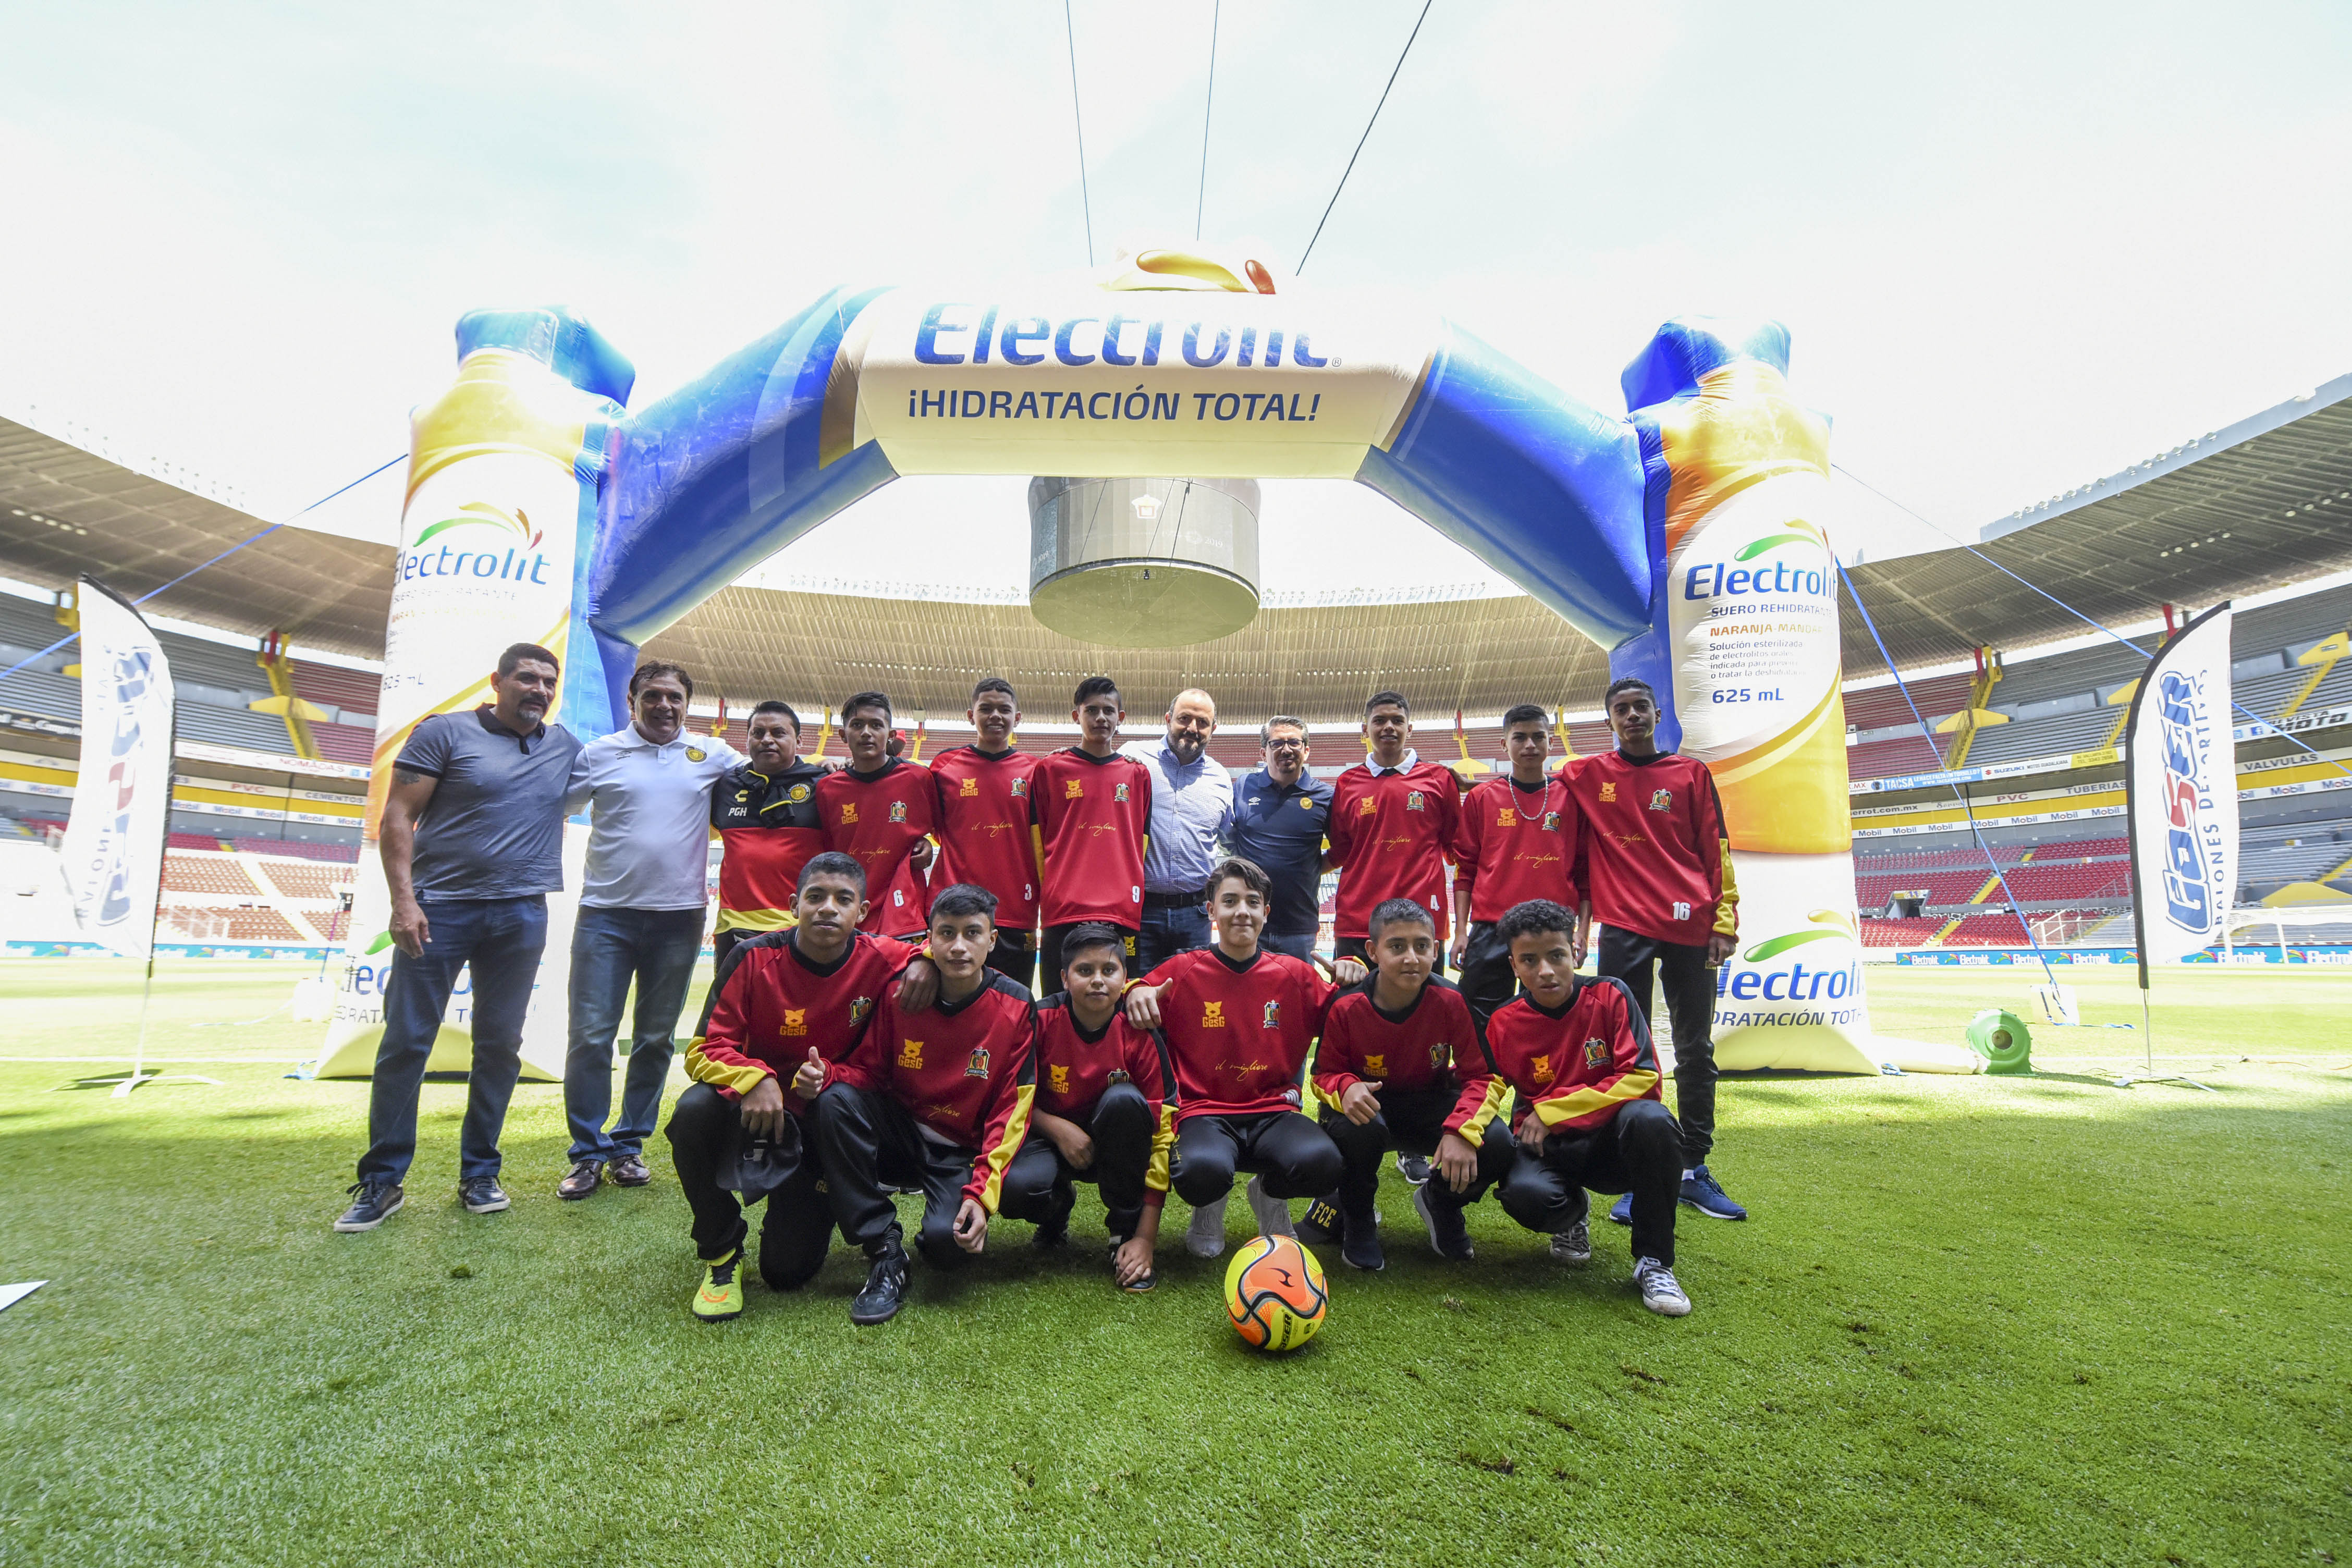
(1668, 371)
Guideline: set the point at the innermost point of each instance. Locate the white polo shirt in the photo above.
(649, 822)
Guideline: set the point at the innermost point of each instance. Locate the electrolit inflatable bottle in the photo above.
(500, 513)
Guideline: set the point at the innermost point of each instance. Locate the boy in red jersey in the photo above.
(1101, 1113)
(1092, 809)
(984, 831)
(785, 1003)
(765, 813)
(1393, 823)
(1239, 1020)
(1400, 1066)
(1519, 841)
(1578, 1052)
(941, 1094)
(1658, 873)
(879, 808)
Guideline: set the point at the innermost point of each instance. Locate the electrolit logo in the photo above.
(953, 333)
(1795, 982)
(520, 561)
(1724, 580)
(2188, 745)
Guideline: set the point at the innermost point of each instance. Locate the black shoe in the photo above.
(482, 1195)
(1360, 1245)
(585, 1177)
(1322, 1224)
(1449, 1237)
(884, 1292)
(1054, 1230)
(1414, 1168)
(373, 1203)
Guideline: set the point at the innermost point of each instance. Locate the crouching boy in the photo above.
(1400, 1067)
(784, 1006)
(936, 1097)
(1101, 1113)
(1590, 1115)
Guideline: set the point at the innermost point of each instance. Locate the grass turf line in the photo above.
(1975, 1321)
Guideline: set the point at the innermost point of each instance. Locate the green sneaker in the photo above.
(721, 1294)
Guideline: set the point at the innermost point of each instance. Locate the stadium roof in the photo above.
(2262, 504)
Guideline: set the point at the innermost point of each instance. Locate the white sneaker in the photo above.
(1660, 1293)
(1573, 1246)
(1205, 1236)
(1273, 1214)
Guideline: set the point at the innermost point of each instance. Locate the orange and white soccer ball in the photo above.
(1276, 1293)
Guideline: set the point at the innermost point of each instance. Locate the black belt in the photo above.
(1191, 900)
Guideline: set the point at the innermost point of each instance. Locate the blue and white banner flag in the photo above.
(113, 854)
(2181, 793)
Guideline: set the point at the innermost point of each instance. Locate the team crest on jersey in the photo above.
(1072, 789)
(1118, 793)
(1438, 1054)
(796, 1021)
(1596, 1051)
(1020, 789)
(694, 754)
(1607, 792)
(978, 1066)
(1662, 800)
(910, 1052)
(1552, 822)
(1058, 1080)
(859, 1007)
(1413, 800)
(798, 794)
(1507, 816)
(1273, 1016)
(1120, 1075)
(970, 788)
(1306, 803)
(1212, 1015)
(1375, 1065)
(897, 810)
(848, 813)
(1539, 1070)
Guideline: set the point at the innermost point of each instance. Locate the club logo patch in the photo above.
(1273, 1016)
(1306, 803)
(848, 814)
(859, 1007)
(798, 794)
(1413, 800)
(1118, 793)
(1057, 1079)
(1375, 1065)
(1366, 806)
(1212, 1015)
(1552, 822)
(1020, 789)
(978, 1066)
(1438, 1053)
(1507, 816)
(1607, 792)
(1073, 789)
(796, 1021)
(695, 754)
(1596, 1052)
(910, 1054)
(897, 810)
(1662, 800)
(969, 788)
(1539, 1070)
(1120, 1075)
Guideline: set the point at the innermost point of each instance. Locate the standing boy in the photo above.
(984, 832)
(1101, 1114)
(1659, 875)
(1092, 810)
(766, 815)
(1578, 1052)
(878, 809)
(1519, 841)
(941, 1094)
(1393, 822)
(1400, 1066)
(1239, 1021)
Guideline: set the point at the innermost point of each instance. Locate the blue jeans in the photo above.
(1300, 945)
(501, 939)
(656, 948)
(1165, 933)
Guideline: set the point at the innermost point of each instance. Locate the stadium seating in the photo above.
(206, 874)
(1882, 706)
(1909, 931)
(343, 854)
(1892, 757)
(306, 879)
(194, 922)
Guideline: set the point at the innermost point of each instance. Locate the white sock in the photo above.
(1689, 1171)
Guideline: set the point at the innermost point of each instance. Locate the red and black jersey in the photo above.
(877, 817)
(985, 836)
(1433, 1044)
(1238, 1034)
(769, 1005)
(1093, 815)
(770, 829)
(1657, 856)
(1575, 1067)
(1390, 836)
(1074, 1068)
(1516, 842)
(904, 907)
(960, 1068)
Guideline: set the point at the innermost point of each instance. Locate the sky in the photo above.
(2019, 247)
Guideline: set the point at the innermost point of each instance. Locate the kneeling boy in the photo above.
(1578, 1052)
(783, 1004)
(940, 1095)
(1400, 1067)
(1101, 1113)
(1239, 1021)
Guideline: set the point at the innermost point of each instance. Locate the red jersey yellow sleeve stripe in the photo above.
(1472, 1124)
(723, 1069)
(988, 1171)
(1163, 1145)
(1595, 1098)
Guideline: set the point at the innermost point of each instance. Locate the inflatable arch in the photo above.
(1685, 538)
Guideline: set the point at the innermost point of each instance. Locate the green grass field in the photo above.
(1973, 1321)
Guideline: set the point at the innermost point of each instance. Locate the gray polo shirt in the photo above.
(494, 828)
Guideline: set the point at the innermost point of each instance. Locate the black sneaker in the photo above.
(1449, 1237)
(482, 1195)
(1414, 1168)
(885, 1291)
(373, 1203)
(1322, 1224)
(1054, 1230)
(1359, 1246)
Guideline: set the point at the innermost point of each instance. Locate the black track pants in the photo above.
(1294, 1156)
(1409, 1120)
(1637, 1151)
(869, 1138)
(1681, 971)
(1120, 1124)
(705, 1130)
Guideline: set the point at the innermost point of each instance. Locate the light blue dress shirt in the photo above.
(1189, 802)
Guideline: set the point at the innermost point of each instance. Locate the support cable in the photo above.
(1361, 139)
(1086, 205)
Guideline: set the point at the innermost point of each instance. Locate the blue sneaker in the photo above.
(1701, 1191)
(1621, 1211)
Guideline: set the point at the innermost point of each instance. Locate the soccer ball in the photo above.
(1274, 1291)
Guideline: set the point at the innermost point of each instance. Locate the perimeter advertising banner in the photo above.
(113, 852)
(499, 521)
(2181, 794)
